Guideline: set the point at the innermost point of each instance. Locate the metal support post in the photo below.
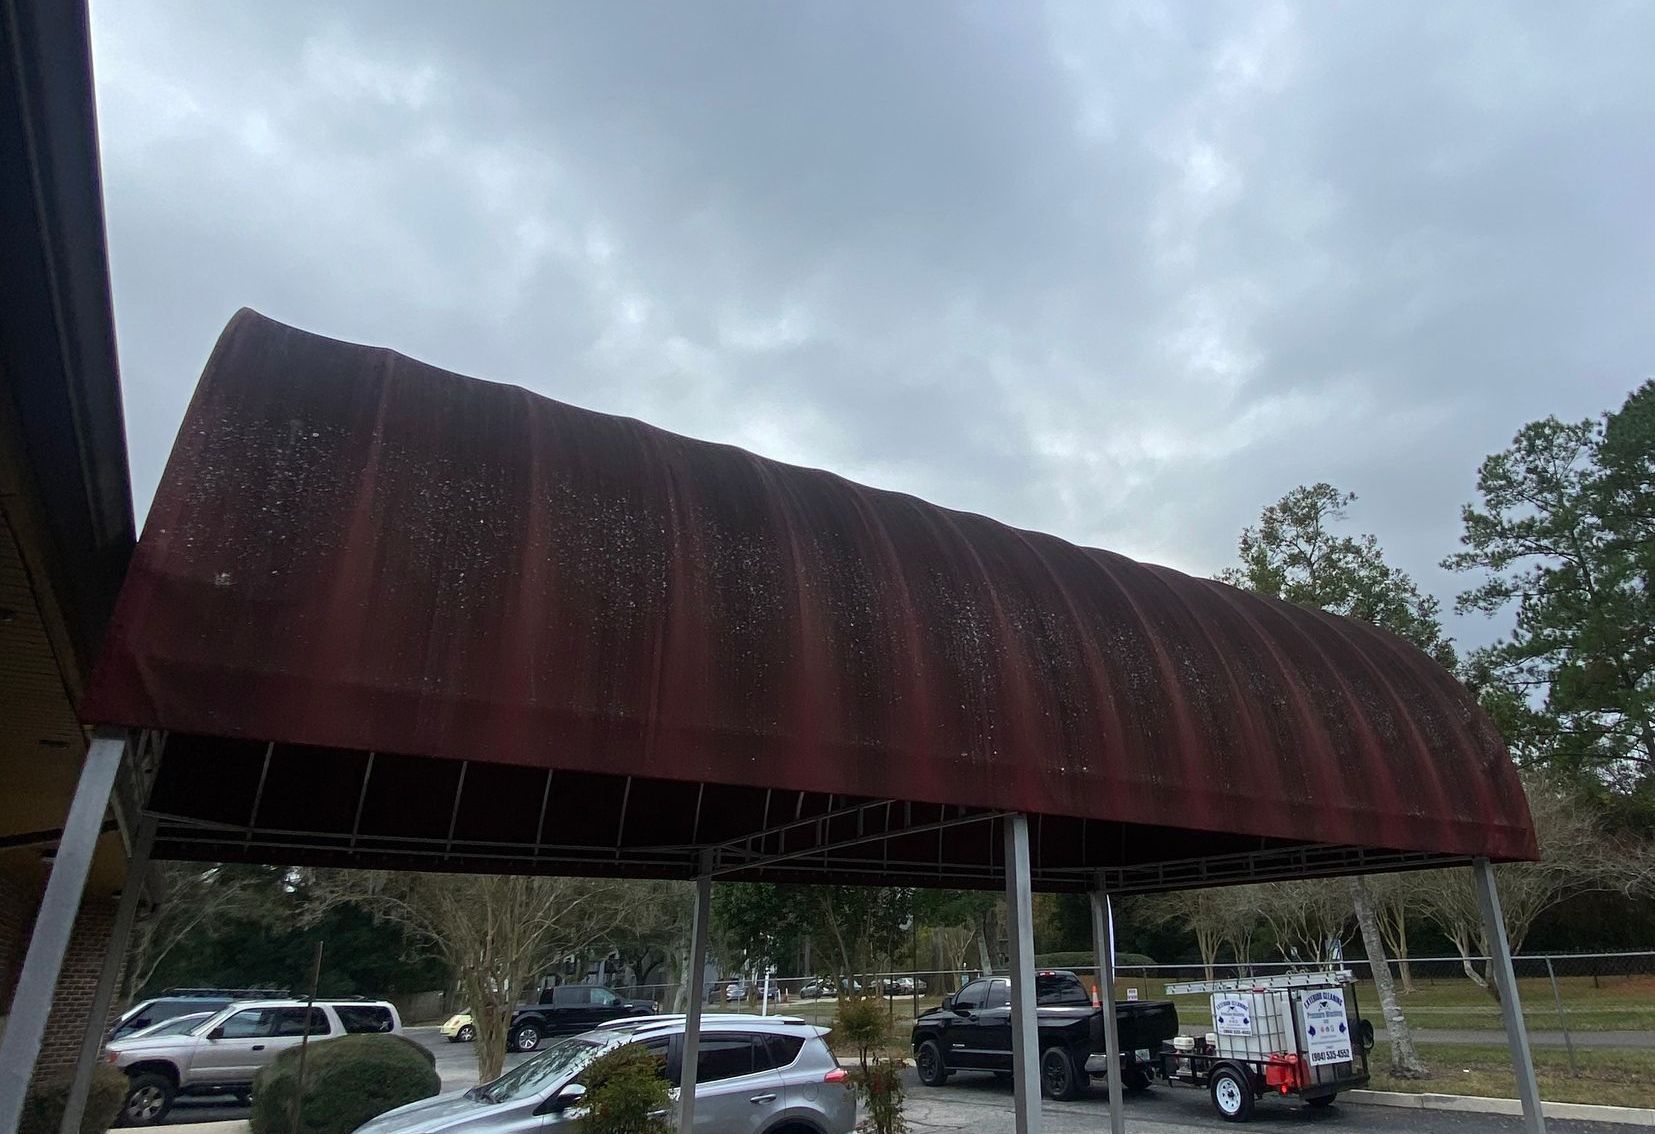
(1103, 945)
(1025, 1031)
(32, 1003)
(1511, 1007)
(696, 978)
(97, 1019)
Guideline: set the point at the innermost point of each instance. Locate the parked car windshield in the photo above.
(557, 1064)
(176, 1026)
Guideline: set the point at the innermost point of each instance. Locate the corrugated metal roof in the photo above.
(355, 551)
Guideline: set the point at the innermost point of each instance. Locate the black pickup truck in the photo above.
(972, 1031)
(569, 1009)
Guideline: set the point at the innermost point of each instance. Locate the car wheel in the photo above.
(147, 1100)
(1058, 1078)
(929, 1065)
(526, 1038)
(465, 1034)
(1232, 1095)
(1320, 1101)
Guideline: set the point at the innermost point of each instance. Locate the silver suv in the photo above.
(221, 1054)
(757, 1075)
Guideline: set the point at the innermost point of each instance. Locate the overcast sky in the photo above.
(1124, 272)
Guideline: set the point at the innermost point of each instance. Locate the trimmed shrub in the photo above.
(43, 1107)
(626, 1091)
(347, 1081)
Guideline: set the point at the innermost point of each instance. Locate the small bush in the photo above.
(880, 1085)
(43, 1106)
(866, 1026)
(347, 1081)
(626, 1093)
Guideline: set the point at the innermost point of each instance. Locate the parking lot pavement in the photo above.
(982, 1104)
(456, 1062)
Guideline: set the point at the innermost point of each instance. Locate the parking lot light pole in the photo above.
(1505, 981)
(1025, 1031)
(1103, 945)
(696, 993)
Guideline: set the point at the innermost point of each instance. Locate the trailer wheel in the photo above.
(933, 1072)
(1232, 1095)
(1058, 1079)
(1321, 1101)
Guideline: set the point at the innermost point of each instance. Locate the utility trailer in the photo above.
(1296, 1034)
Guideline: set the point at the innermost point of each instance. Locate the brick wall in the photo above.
(78, 978)
(76, 982)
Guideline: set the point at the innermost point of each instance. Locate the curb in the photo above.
(1475, 1104)
(229, 1126)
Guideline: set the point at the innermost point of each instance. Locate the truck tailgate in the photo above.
(1146, 1024)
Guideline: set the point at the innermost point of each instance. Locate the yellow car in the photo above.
(458, 1028)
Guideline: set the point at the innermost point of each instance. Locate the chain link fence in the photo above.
(1563, 994)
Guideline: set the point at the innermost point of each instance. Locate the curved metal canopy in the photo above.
(392, 615)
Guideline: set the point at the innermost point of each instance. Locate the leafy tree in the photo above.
(496, 932)
(1296, 554)
(652, 939)
(760, 921)
(239, 926)
(1565, 532)
(976, 912)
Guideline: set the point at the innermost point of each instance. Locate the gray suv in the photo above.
(222, 1053)
(757, 1075)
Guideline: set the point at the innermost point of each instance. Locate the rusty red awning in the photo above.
(387, 614)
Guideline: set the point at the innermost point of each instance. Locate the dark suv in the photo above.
(569, 1009)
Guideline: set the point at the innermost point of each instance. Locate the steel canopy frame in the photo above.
(766, 848)
(224, 800)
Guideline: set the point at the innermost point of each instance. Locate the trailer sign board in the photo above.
(1232, 1016)
(1326, 1026)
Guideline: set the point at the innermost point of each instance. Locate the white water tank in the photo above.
(1255, 1024)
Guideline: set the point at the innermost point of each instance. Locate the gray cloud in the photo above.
(1122, 272)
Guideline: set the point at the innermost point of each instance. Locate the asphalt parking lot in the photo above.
(982, 1104)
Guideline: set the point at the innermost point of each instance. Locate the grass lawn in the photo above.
(1607, 1077)
(1614, 1004)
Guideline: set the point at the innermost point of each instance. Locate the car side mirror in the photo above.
(571, 1094)
(216, 1033)
(948, 1003)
